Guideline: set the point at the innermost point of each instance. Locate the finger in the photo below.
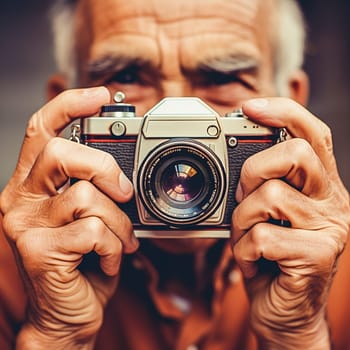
(64, 246)
(292, 249)
(277, 201)
(83, 200)
(101, 240)
(62, 159)
(282, 112)
(293, 160)
(51, 119)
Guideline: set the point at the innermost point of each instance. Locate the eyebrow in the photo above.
(110, 64)
(228, 64)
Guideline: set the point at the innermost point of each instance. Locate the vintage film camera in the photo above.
(183, 159)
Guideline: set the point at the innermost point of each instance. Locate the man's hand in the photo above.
(289, 270)
(52, 226)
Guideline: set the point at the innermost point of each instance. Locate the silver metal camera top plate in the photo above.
(102, 125)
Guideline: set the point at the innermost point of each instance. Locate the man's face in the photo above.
(218, 50)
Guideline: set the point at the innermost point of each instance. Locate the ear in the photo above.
(299, 87)
(55, 85)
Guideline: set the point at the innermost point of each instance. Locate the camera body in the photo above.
(184, 160)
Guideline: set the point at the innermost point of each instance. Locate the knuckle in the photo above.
(83, 193)
(34, 125)
(298, 147)
(273, 190)
(327, 137)
(259, 236)
(53, 148)
(13, 224)
(8, 224)
(94, 227)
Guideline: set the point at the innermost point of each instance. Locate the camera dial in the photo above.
(119, 108)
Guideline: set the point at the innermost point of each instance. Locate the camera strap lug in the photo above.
(75, 133)
(283, 135)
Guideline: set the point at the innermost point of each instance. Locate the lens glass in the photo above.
(182, 182)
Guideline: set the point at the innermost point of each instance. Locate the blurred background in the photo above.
(26, 62)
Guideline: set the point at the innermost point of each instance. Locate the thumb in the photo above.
(52, 118)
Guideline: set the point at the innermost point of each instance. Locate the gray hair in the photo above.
(289, 43)
(288, 40)
(63, 30)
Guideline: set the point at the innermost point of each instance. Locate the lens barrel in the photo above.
(181, 182)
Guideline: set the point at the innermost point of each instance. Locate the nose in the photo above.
(176, 88)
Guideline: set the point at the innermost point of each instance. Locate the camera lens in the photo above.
(181, 182)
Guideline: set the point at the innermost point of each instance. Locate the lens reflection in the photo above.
(182, 182)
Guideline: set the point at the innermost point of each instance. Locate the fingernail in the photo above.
(258, 103)
(125, 184)
(239, 193)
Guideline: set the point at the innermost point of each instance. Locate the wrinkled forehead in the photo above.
(172, 13)
(209, 25)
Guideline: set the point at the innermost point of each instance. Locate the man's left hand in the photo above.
(289, 270)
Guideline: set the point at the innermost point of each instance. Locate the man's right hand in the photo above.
(51, 227)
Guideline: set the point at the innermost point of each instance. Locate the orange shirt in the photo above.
(144, 315)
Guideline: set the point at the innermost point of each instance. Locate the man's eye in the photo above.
(222, 79)
(125, 76)
(214, 78)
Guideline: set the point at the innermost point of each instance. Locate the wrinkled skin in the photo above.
(51, 231)
(295, 181)
(52, 227)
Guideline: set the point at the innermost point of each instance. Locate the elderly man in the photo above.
(269, 286)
